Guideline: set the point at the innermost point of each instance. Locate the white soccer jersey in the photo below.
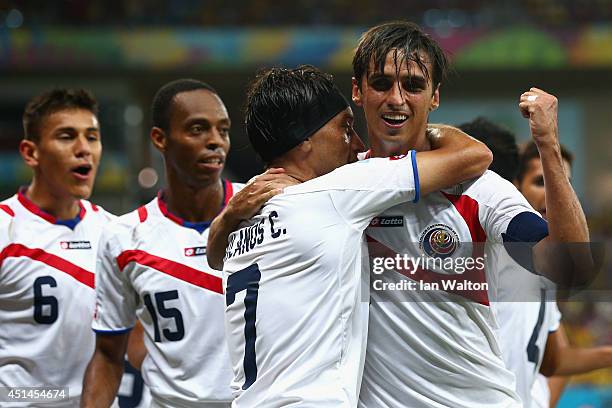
(436, 348)
(540, 393)
(152, 266)
(295, 320)
(47, 296)
(524, 324)
(6, 214)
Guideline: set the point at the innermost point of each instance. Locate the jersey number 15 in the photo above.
(166, 312)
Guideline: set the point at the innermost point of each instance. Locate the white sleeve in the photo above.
(4, 231)
(554, 317)
(237, 187)
(4, 242)
(500, 203)
(115, 298)
(361, 190)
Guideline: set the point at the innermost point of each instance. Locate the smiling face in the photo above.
(67, 152)
(397, 104)
(196, 144)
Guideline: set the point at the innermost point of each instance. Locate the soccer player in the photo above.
(152, 264)
(502, 143)
(524, 315)
(557, 357)
(295, 321)
(529, 177)
(49, 234)
(525, 327)
(444, 351)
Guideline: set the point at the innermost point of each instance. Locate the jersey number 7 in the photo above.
(246, 279)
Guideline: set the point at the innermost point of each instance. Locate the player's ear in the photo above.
(29, 152)
(356, 92)
(159, 139)
(435, 99)
(305, 148)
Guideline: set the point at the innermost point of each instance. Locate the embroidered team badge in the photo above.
(439, 241)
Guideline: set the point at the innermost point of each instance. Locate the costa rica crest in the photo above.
(439, 241)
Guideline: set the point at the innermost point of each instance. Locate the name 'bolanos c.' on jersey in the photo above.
(295, 319)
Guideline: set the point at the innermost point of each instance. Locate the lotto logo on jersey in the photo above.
(387, 221)
(399, 157)
(195, 251)
(75, 245)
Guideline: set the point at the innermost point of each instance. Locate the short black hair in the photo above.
(407, 39)
(530, 151)
(163, 99)
(53, 101)
(278, 101)
(502, 143)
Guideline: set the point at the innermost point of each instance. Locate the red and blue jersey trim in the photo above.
(34, 209)
(228, 192)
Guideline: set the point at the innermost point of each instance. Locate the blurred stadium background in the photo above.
(123, 51)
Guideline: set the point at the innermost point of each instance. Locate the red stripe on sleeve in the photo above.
(172, 268)
(7, 210)
(142, 214)
(468, 209)
(40, 255)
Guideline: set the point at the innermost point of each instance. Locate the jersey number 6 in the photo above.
(246, 279)
(40, 301)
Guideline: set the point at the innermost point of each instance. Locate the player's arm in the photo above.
(556, 385)
(455, 157)
(560, 358)
(243, 205)
(136, 350)
(113, 319)
(104, 371)
(566, 220)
